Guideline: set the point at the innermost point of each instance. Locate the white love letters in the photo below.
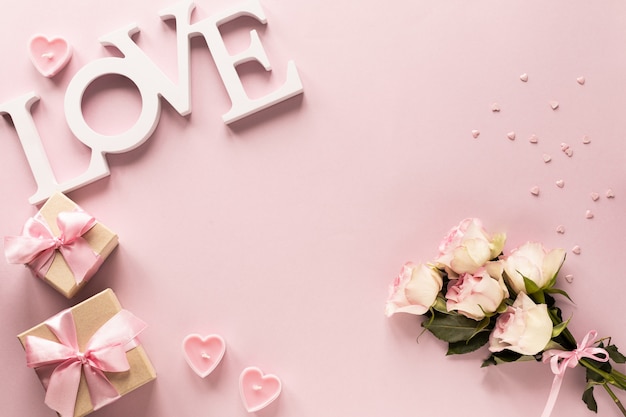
(153, 85)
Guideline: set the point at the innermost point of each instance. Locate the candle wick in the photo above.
(205, 355)
(257, 387)
(48, 55)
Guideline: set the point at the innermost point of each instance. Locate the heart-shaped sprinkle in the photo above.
(569, 152)
(533, 138)
(511, 135)
(203, 354)
(524, 77)
(610, 193)
(560, 229)
(588, 214)
(258, 390)
(534, 190)
(475, 133)
(580, 80)
(49, 56)
(595, 196)
(576, 250)
(554, 104)
(569, 278)
(586, 140)
(560, 183)
(546, 158)
(564, 146)
(495, 107)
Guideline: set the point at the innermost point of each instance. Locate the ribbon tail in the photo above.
(62, 388)
(554, 393)
(101, 391)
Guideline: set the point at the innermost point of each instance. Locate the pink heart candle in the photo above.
(258, 390)
(203, 354)
(49, 56)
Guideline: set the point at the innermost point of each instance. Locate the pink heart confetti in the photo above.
(258, 390)
(475, 133)
(533, 138)
(203, 354)
(49, 56)
(554, 104)
(560, 183)
(546, 158)
(610, 193)
(586, 140)
(569, 152)
(569, 278)
(511, 135)
(580, 80)
(495, 107)
(576, 250)
(524, 77)
(564, 146)
(595, 196)
(560, 229)
(588, 214)
(534, 190)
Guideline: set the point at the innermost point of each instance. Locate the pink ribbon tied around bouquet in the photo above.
(105, 352)
(37, 245)
(560, 360)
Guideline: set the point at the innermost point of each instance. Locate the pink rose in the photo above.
(414, 291)
(473, 295)
(525, 328)
(468, 247)
(534, 262)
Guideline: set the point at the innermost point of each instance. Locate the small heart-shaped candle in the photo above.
(49, 56)
(203, 354)
(257, 389)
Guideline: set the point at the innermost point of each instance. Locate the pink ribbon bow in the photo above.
(104, 352)
(37, 245)
(560, 360)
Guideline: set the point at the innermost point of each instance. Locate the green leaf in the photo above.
(615, 355)
(559, 291)
(589, 399)
(531, 286)
(475, 343)
(452, 328)
(558, 329)
(506, 356)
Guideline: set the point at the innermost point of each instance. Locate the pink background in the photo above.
(283, 231)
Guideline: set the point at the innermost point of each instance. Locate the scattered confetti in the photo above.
(569, 152)
(560, 183)
(560, 229)
(533, 138)
(569, 278)
(511, 135)
(595, 196)
(495, 107)
(475, 133)
(586, 140)
(564, 146)
(576, 250)
(610, 193)
(546, 158)
(524, 77)
(554, 104)
(534, 190)
(588, 214)
(580, 80)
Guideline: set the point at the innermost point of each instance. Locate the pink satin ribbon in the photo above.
(37, 245)
(104, 352)
(560, 360)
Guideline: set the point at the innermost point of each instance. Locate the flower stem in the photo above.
(618, 403)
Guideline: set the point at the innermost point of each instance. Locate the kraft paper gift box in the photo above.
(62, 245)
(73, 353)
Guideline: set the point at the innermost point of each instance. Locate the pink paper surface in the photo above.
(283, 231)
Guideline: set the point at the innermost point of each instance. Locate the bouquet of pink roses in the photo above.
(472, 295)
